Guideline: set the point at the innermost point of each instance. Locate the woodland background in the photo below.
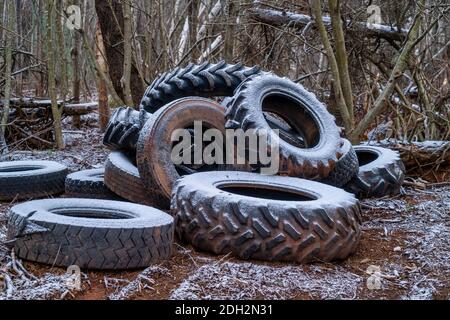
(388, 81)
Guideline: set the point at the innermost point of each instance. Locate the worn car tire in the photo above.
(265, 219)
(89, 184)
(345, 169)
(299, 108)
(205, 80)
(123, 129)
(155, 146)
(381, 172)
(122, 177)
(92, 234)
(31, 179)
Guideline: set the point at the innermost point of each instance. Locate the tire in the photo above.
(205, 80)
(301, 110)
(31, 179)
(381, 172)
(155, 146)
(122, 177)
(89, 184)
(345, 169)
(92, 234)
(270, 226)
(123, 129)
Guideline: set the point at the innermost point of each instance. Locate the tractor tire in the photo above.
(301, 110)
(381, 172)
(205, 80)
(154, 147)
(262, 217)
(345, 169)
(123, 129)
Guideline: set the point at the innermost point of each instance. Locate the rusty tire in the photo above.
(299, 108)
(89, 184)
(154, 147)
(266, 217)
(123, 129)
(122, 177)
(92, 234)
(381, 172)
(204, 80)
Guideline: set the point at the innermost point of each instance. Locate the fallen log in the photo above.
(421, 157)
(69, 109)
(297, 20)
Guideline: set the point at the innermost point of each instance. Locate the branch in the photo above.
(298, 20)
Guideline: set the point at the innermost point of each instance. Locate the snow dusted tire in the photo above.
(123, 129)
(92, 234)
(154, 147)
(381, 172)
(301, 110)
(264, 217)
(345, 169)
(88, 184)
(205, 80)
(31, 179)
(122, 177)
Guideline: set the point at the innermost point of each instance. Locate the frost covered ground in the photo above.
(405, 249)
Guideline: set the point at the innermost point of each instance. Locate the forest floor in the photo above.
(406, 238)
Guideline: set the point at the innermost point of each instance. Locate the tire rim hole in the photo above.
(92, 214)
(18, 169)
(267, 192)
(295, 115)
(365, 157)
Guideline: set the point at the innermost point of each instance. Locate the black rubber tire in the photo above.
(345, 169)
(301, 110)
(89, 184)
(379, 175)
(221, 222)
(122, 177)
(205, 80)
(31, 179)
(123, 129)
(108, 235)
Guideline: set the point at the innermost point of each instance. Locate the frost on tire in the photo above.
(154, 149)
(301, 111)
(88, 184)
(205, 80)
(266, 217)
(92, 234)
(381, 172)
(123, 129)
(346, 168)
(31, 179)
(122, 177)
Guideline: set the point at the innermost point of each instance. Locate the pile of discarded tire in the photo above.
(308, 212)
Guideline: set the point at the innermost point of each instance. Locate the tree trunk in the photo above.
(61, 50)
(127, 39)
(341, 56)
(103, 108)
(8, 67)
(56, 112)
(111, 19)
(336, 84)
